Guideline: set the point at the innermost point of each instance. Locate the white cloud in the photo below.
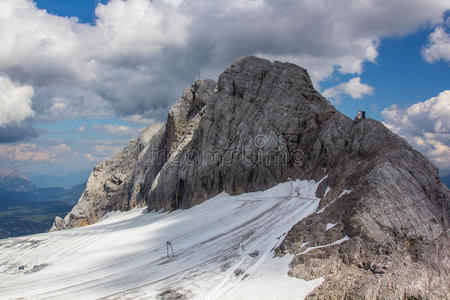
(118, 130)
(354, 88)
(79, 70)
(140, 55)
(139, 119)
(108, 150)
(426, 125)
(90, 157)
(15, 102)
(438, 45)
(102, 152)
(33, 152)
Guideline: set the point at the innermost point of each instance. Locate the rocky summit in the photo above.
(263, 123)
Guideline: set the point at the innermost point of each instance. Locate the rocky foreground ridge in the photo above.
(264, 123)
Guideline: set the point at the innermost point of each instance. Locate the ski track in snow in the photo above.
(223, 248)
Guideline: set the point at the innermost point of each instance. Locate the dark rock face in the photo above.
(261, 124)
(264, 123)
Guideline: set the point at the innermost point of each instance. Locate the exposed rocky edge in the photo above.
(258, 129)
(115, 183)
(397, 219)
(264, 124)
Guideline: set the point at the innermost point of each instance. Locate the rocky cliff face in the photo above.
(113, 184)
(264, 123)
(258, 129)
(116, 183)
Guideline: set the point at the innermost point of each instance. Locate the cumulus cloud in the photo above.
(13, 133)
(32, 152)
(426, 125)
(15, 102)
(140, 55)
(90, 157)
(112, 64)
(438, 47)
(118, 130)
(139, 119)
(82, 128)
(353, 88)
(121, 130)
(102, 152)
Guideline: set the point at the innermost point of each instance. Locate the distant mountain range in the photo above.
(13, 181)
(42, 195)
(64, 181)
(27, 209)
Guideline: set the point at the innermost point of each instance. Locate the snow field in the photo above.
(223, 250)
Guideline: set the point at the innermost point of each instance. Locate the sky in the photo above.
(79, 79)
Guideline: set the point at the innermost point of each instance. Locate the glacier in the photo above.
(223, 249)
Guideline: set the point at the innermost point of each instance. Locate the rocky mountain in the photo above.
(12, 180)
(116, 184)
(263, 123)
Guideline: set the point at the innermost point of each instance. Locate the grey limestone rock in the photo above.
(116, 183)
(113, 184)
(264, 123)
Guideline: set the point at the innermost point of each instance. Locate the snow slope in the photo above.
(223, 250)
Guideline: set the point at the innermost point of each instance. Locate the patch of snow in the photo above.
(323, 208)
(326, 192)
(340, 241)
(330, 225)
(304, 244)
(124, 256)
(345, 192)
(320, 181)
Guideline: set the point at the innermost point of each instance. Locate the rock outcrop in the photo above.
(115, 184)
(264, 123)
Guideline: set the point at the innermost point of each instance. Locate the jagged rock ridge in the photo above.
(115, 184)
(263, 124)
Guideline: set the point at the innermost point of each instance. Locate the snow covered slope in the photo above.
(223, 250)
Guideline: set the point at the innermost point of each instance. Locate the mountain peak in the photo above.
(11, 173)
(263, 124)
(12, 180)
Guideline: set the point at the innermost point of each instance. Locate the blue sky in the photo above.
(400, 75)
(79, 89)
(84, 10)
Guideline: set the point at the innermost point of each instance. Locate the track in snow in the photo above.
(223, 250)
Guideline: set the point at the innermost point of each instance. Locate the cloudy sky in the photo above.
(78, 79)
